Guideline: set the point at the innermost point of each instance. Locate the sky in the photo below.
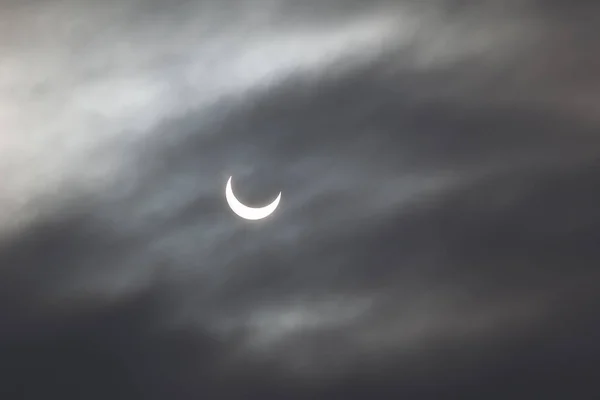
(438, 228)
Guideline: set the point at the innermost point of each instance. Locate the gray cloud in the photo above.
(438, 226)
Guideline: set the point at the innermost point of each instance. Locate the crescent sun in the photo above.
(246, 212)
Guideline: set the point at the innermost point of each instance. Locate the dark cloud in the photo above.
(438, 229)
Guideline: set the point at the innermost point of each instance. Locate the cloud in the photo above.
(438, 223)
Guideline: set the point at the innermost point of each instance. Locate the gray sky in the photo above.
(438, 226)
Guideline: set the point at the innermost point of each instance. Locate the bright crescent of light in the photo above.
(246, 212)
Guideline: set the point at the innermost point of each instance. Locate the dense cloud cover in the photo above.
(439, 226)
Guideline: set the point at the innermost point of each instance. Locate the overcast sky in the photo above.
(439, 223)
